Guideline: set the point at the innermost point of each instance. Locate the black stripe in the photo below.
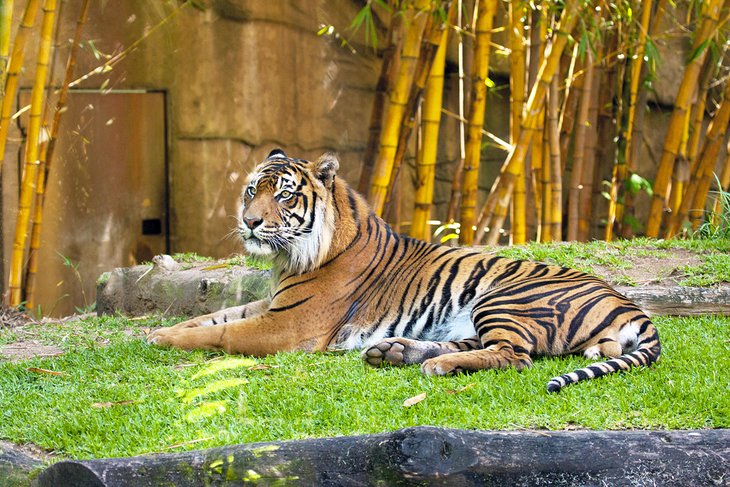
(290, 306)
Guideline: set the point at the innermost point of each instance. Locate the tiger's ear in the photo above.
(325, 167)
(276, 153)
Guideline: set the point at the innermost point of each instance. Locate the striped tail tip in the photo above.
(555, 384)
(637, 358)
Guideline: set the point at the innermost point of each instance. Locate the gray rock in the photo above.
(179, 290)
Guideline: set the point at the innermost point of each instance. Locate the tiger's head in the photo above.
(287, 212)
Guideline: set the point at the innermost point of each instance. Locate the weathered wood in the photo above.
(680, 300)
(429, 456)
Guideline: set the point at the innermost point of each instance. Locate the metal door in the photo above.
(106, 201)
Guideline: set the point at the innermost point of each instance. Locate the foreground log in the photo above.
(429, 456)
(16, 466)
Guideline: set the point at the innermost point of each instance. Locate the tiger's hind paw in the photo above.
(387, 351)
(443, 365)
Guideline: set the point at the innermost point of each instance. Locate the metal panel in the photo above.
(106, 203)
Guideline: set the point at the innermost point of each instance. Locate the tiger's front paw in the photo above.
(166, 337)
(442, 365)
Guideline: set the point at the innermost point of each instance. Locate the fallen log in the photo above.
(429, 456)
(680, 300)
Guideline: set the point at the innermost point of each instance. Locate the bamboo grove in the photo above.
(580, 79)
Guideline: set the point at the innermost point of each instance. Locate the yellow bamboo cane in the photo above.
(710, 16)
(416, 17)
(622, 165)
(693, 203)
(480, 72)
(382, 88)
(11, 81)
(553, 187)
(581, 130)
(6, 21)
(28, 183)
(455, 195)
(690, 203)
(516, 11)
(585, 217)
(426, 157)
(680, 176)
(717, 208)
(47, 159)
(432, 34)
(499, 196)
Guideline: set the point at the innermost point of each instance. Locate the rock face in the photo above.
(179, 290)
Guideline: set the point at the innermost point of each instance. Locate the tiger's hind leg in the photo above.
(404, 351)
(506, 342)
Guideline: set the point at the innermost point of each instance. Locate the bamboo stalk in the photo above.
(553, 185)
(426, 157)
(717, 207)
(385, 82)
(499, 196)
(480, 71)
(710, 16)
(432, 34)
(416, 17)
(455, 196)
(590, 159)
(623, 163)
(517, 100)
(576, 173)
(47, 158)
(693, 201)
(16, 63)
(6, 22)
(31, 153)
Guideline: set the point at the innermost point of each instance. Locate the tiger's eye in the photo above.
(285, 195)
(251, 191)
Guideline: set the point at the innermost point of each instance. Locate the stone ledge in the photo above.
(428, 456)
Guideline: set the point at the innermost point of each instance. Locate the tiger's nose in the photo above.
(252, 222)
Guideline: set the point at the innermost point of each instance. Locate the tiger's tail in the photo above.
(645, 354)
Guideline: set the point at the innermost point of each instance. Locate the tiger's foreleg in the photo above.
(249, 310)
(404, 351)
(260, 335)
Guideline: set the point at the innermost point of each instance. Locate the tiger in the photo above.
(342, 278)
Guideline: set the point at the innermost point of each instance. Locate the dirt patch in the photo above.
(656, 267)
(24, 350)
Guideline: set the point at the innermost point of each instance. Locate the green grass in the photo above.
(715, 254)
(201, 399)
(715, 268)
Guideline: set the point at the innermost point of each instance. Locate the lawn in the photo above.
(111, 394)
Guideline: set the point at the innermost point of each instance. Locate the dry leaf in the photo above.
(110, 404)
(44, 371)
(461, 389)
(214, 267)
(263, 367)
(146, 331)
(414, 400)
